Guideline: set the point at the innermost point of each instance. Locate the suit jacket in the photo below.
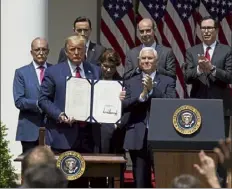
(136, 113)
(52, 102)
(93, 54)
(166, 62)
(207, 86)
(26, 92)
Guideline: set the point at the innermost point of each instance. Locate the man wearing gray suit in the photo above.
(166, 60)
(209, 69)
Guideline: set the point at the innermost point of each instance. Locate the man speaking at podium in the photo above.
(62, 132)
(139, 90)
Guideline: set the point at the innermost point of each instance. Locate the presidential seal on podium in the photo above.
(186, 120)
(72, 164)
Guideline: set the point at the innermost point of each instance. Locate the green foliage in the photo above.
(7, 171)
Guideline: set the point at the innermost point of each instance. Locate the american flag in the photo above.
(118, 26)
(175, 28)
(177, 25)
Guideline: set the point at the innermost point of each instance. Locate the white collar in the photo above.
(212, 45)
(153, 45)
(152, 75)
(74, 67)
(36, 66)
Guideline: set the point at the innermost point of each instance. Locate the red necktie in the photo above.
(78, 75)
(41, 75)
(207, 53)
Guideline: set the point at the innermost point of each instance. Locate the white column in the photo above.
(21, 22)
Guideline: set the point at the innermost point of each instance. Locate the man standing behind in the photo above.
(166, 62)
(26, 89)
(209, 66)
(62, 132)
(209, 70)
(149, 83)
(82, 26)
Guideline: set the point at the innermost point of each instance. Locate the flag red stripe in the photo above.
(111, 38)
(122, 28)
(189, 32)
(175, 32)
(221, 36)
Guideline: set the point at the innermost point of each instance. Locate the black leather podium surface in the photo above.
(163, 135)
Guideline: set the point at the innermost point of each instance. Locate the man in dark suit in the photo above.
(166, 62)
(62, 131)
(26, 89)
(209, 68)
(82, 26)
(136, 106)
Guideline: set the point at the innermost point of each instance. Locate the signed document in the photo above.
(104, 106)
(106, 102)
(78, 100)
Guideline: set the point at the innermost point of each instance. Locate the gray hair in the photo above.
(149, 49)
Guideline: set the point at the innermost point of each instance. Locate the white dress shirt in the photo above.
(37, 70)
(74, 67)
(153, 45)
(211, 50)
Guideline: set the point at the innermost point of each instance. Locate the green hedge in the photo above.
(7, 171)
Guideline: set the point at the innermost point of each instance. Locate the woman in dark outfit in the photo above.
(109, 138)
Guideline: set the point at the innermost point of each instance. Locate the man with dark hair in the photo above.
(26, 87)
(209, 69)
(166, 62)
(185, 181)
(82, 26)
(38, 155)
(44, 176)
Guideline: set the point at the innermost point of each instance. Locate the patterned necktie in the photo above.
(207, 53)
(41, 75)
(78, 75)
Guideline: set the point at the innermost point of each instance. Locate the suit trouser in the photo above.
(142, 164)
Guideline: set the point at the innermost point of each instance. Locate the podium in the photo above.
(178, 130)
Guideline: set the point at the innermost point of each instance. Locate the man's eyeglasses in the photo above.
(207, 28)
(38, 50)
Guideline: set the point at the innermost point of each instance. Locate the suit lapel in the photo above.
(33, 76)
(156, 79)
(66, 70)
(88, 70)
(90, 52)
(215, 53)
(158, 49)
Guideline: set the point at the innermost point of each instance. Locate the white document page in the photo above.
(78, 101)
(106, 102)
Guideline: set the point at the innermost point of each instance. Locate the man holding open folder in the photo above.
(62, 132)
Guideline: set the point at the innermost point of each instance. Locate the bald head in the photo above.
(39, 50)
(147, 31)
(38, 155)
(38, 40)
